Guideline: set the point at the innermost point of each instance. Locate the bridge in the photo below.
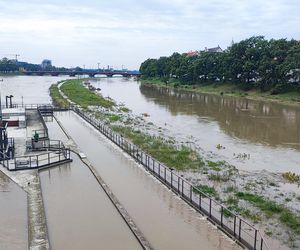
(90, 73)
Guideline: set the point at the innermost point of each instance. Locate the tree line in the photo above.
(252, 63)
(11, 66)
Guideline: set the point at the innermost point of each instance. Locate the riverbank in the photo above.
(262, 197)
(227, 89)
(11, 74)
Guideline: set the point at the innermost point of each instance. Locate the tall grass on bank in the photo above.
(82, 96)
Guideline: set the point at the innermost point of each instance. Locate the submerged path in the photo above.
(79, 213)
(166, 221)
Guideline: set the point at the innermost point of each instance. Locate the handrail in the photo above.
(239, 229)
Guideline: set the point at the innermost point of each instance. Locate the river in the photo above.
(267, 132)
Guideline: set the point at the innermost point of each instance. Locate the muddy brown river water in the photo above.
(268, 132)
(165, 220)
(13, 218)
(78, 210)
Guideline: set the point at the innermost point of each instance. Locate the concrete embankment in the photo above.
(37, 226)
(74, 201)
(165, 220)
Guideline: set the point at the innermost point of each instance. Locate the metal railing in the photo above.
(34, 106)
(231, 223)
(57, 153)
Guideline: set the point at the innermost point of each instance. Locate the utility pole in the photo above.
(16, 55)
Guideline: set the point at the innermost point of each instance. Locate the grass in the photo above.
(82, 96)
(271, 208)
(205, 189)
(291, 177)
(114, 117)
(230, 189)
(124, 109)
(218, 177)
(57, 97)
(215, 165)
(180, 158)
(229, 89)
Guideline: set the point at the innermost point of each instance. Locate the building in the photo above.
(192, 53)
(213, 50)
(46, 64)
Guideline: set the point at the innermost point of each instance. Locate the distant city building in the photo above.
(213, 50)
(192, 53)
(46, 64)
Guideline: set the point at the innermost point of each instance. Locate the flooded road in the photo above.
(166, 221)
(265, 131)
(13, 215)
(79, 214)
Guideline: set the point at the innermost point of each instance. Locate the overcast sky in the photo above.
(126, 32)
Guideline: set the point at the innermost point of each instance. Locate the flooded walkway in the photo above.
(79, 214)
(13, 219)
(166, 221)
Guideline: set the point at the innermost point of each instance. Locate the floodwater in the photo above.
(79, 214)
(165, 220)
(268, 132)
(29, 89)
(13, 215)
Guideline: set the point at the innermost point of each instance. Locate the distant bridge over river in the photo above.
(90, 73)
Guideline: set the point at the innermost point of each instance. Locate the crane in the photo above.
(15, 55)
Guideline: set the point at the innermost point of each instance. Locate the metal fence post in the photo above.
(255, 239)
(159, 169)
(200, 200)
(240, 227)
(222, 215)
(234, 226)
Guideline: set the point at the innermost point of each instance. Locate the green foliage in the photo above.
(205, 189)
(218, 177)
(291, 177)
(270, 208)
(57, 98)
(181, 159)
(7, 65)
(114, 118)
(77, 93)
(254, 63)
